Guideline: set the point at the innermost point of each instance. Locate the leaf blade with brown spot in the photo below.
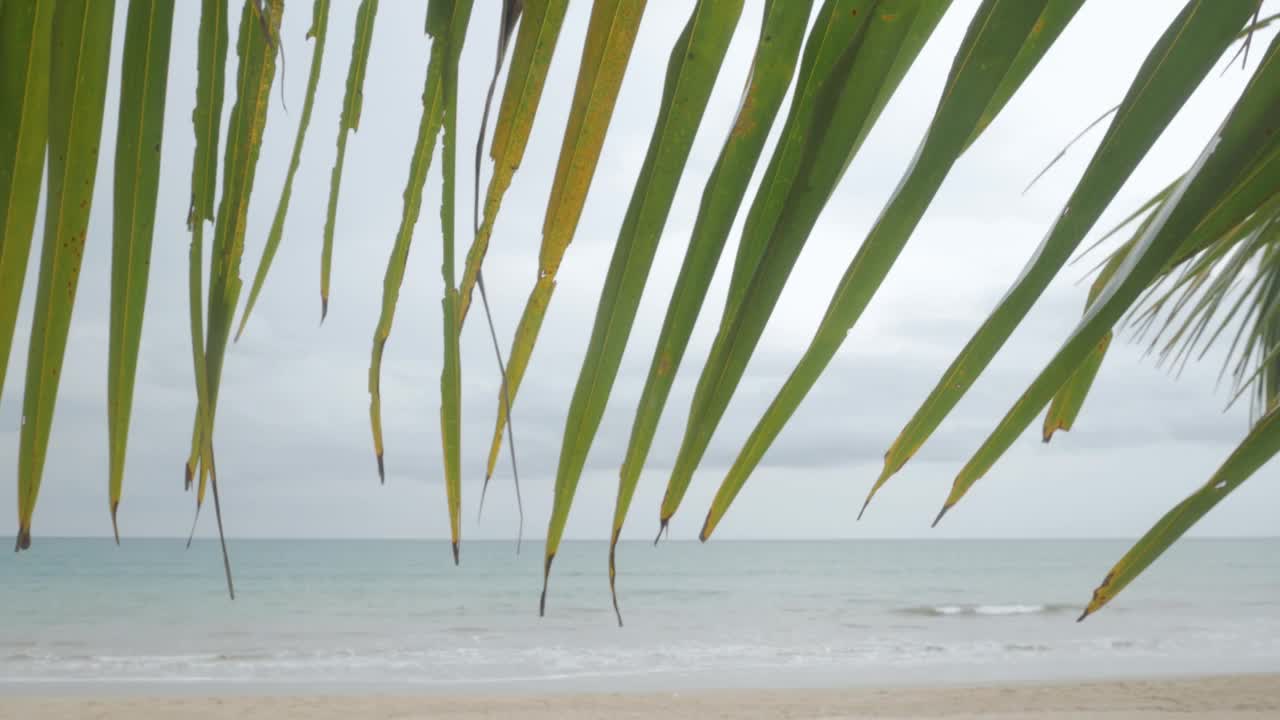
(81, 33)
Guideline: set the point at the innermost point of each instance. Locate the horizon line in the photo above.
(689, 540)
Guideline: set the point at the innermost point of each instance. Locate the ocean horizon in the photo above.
(335, 615)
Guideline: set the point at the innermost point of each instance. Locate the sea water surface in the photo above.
(334, 615)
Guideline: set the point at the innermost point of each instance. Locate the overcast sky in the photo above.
(293, 434)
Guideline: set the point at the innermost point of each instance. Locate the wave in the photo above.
(995, 610)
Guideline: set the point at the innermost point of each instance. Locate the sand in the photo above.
(1233, 696)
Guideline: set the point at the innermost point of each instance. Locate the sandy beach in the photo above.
(1231, 696)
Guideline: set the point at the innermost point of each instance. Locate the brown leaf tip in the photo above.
(24, 539)
(546, 576)
(941, 513)
(115, 528)
(188, 475)
(662, 527)
(455, 554)
(865, 503)
(382, 471)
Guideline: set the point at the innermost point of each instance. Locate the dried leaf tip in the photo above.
(863, 509)
(455, 554)
(382, 471)
(24, 540)
(115, 527)
(662, 527)
(941, 512)
(546, 577)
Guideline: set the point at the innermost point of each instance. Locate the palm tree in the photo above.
(1200, 261)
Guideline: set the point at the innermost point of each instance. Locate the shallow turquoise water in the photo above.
(371, 613)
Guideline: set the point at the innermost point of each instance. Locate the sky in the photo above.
(295, 451)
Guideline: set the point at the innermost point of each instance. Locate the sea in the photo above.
(152, 615)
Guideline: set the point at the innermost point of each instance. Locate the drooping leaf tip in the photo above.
(456, 561)
(188, 475)
(324, 308)
(382, 471)
(613, 573)
(115, 527)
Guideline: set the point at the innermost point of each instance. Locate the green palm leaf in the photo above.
(144, 78)
(447, 22)
(350, 120)
(206, 118)
(1067, 403)
(1262, 443)
(24, 125)
(530, 61)
(419, 165)
(1228, 157)
(254, 77)
(318, 30)
(857, 54)
(611, 33)
(691, 75)
(1174, 68)
(992, 62)
(777, 52)
(81, 48)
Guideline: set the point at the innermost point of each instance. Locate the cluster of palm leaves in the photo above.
(1202, 260)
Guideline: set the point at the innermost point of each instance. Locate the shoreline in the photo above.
(1218, 696)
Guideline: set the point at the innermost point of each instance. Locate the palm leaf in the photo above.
(777, 52)
(144, 78)
(447, 22)
(24, 125)
(318, 30)
(206, 117)
(1069, 400)
(1227, 157)
(611, 33)
(81, 33)
(254, 77)
(1172, 71)
(1233, 225)
(419, 165)
(1261, 444)
(349, 120)
(846, 78)
(511, 12)
(695, 63)
(530, 61)
(992, 61)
